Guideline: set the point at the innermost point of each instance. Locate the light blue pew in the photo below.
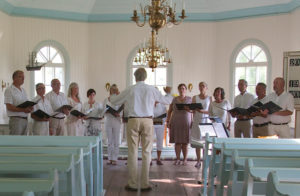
(262, 158)
(257, 170)
(250, 150)
(217, 144)
(49, 157)
(204, 145)
(277, 188)
(56, 151)
(28, 186)
(34, 163)
(95, 160)
(200, 144)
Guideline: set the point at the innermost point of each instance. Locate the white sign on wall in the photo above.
(291, 71)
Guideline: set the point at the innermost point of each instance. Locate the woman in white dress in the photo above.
(220, 106)
(113, 124)
(94, 111)
(200, 116)
(74, 124)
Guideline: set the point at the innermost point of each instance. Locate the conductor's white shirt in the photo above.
(140, 99)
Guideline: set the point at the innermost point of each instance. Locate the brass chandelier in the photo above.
(159, 14)
(152, 54)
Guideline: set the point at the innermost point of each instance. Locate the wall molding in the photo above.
(191, 17)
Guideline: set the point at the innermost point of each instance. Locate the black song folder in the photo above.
(113, 111)
(272, 107)
(191, 106)
(77, 113)
(41, 114)
(26, 104)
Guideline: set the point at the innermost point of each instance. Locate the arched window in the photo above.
(252, 63)
(54, 68)
(160, 77)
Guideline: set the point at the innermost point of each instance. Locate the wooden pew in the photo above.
(58, 151)
(28, 186)
(205, 146)
(217, 144)
(257, 170)
(277, 188)
(95, 160)
(249, 150)
(19, 164)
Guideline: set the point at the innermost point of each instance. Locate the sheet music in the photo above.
(220, 130)
(207, 128)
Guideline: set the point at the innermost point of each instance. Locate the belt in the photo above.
(140, 117)
(60, 118)
(260, 125)
(19, 117)
(279, 123)
(243, 119)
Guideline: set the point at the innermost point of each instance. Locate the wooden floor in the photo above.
(166, 180)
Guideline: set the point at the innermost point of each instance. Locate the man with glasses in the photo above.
(242, 125)
(41, 123)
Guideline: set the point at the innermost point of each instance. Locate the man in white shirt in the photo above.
(41, 124)
(242, 124)
(14, 96)
(140, 99)
(57, 99)
(260, 121)
(279, 120)
(168, 90)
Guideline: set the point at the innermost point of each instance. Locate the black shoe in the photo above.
(146, 189)
(128, 188)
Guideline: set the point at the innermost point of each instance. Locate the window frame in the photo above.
(233, 63)
(66, 61)
(130, 66)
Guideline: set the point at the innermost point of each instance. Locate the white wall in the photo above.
(74, 36)
(111, 43)
(5, 59)
(271, 30)
(99, 52)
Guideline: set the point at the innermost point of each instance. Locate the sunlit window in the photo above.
(55, 67)
(251, 64)
(157, 78)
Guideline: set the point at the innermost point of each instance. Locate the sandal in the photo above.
(158, 162)
(114, 162)
(109, 162)
(198, 165)
(177, 162)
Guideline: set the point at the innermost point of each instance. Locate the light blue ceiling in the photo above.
(121, 10)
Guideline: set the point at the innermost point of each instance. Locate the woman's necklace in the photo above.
(181, 99)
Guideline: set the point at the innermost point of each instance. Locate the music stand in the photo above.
(213, 129)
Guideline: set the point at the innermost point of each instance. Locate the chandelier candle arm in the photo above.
(159, 14)
(136, 18)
